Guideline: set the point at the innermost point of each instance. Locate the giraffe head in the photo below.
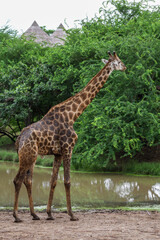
(115, 62)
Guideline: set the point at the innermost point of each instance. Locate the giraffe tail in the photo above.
(17, 143)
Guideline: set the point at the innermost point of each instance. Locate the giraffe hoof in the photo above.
(74, 219)
(17, 220)
(50, 218)
(35, 217)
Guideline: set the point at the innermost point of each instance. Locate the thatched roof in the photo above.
(35, 32)
(39, 36)
(59, 36)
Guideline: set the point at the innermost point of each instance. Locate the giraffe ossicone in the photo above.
(54, 135)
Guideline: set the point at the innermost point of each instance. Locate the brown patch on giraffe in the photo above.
(93, 89)
(108, 70)
(56, 123)
(83, 96)
(38, 134)
(81, 107)
(44, 134)
(64, 138)
(65, 145)
(56, 131)
(94, 81)
(49, 138)
(61, 126)
(88, 88)
(70, 115)
(56, 137)
(78, 114)
(56, 116)
(68, 108)
(51, 118)
(75, 117)
(87, 102)
(74, 107)
(62, 132)
(50, 133)
(56, 109)
(70, 140)
(71, 123)
(68, 133)
(104, 72)
(51, 128)
(61, 118)
(66, 119)
(62, 108)
(34, 135)
(77, 100)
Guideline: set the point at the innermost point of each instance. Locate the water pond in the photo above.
(87, 189)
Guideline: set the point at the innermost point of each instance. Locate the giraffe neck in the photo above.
(85, 97)
(73, 107)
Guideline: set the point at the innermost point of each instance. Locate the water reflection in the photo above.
(96, 190)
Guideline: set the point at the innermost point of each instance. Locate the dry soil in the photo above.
(92, 225)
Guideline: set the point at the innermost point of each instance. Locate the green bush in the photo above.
(124, 117)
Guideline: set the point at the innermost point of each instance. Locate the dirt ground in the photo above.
(92, 225)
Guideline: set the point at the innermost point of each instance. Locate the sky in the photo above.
(20, 14)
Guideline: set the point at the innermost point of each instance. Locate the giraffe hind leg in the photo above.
(17, 183)
(28, 183)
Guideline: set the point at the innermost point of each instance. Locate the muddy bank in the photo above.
(101, 225)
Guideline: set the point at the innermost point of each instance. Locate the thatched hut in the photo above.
(59, 36)
(37, 34)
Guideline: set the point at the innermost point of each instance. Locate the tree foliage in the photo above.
(124, 117)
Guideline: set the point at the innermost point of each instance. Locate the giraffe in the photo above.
(54, 135)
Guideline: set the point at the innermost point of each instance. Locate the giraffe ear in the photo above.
(104, 61)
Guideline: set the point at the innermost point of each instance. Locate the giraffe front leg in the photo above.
(56, 166)
(67, 185)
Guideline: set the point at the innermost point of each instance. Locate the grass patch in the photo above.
(8, 156)
(45, 162)
(144, 168)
